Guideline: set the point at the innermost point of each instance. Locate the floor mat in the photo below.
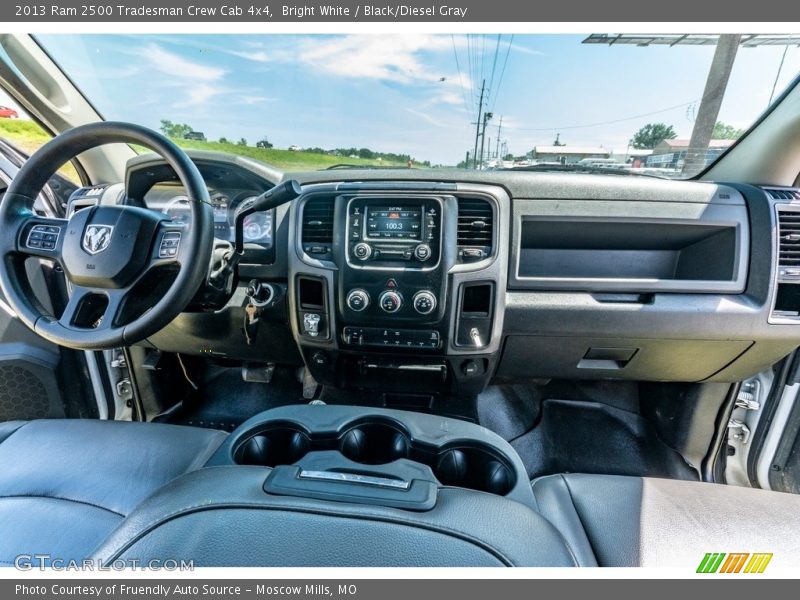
(589, 437)
(224, 400)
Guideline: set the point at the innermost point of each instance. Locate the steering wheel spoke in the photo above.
(93, 309)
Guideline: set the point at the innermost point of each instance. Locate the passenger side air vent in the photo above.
(789, 240)
(475, 229)
(317, 232)
(784, 193)
(787, 292)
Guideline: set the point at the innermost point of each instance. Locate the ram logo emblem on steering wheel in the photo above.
(97, 238)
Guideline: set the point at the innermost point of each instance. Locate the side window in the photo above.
(24, 134)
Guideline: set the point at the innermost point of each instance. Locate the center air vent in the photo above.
(475, 227)
(317, 233)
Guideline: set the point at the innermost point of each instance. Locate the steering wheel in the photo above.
(106, 252)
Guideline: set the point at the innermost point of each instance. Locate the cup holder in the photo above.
(374, 443)
(475, 468)
(466, 464)
(280, 445)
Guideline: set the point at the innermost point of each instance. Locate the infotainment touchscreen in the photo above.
(394, 222)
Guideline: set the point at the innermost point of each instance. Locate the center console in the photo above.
(399, 279)
(342, 486)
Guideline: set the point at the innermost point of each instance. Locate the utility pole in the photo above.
(499, 129)
(486, 117)
(707, 114)
(478, 127)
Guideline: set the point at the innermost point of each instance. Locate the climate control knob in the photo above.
(390, 301)
(362, 251)
(357, 300)
(424, 302)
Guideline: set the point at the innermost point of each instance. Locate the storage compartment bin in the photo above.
(629, 254)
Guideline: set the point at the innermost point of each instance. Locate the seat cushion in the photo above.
(65, 484)
(618, 521)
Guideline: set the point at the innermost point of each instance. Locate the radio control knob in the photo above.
(424, 302)
(390, 301)
(422, 252)
(362, 251)
(357, 300)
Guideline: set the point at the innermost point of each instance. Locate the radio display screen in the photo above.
(394, 222)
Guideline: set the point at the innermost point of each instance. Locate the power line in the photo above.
(502, 71)
(494, 67)
(483, 55)
(460, 79)
(633, 118)
(469, 65)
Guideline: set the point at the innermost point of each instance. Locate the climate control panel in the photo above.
(392, 300)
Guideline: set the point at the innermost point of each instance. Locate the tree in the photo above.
(241, 142)
(651, 135)
(723, 131)
(174, 130)
(508, 157)
(224, 140)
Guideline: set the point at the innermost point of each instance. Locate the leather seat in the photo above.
(66, 484)
(619, 521)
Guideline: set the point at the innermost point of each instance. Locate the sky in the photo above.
(411, 94)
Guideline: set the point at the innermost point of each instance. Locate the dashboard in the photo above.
(440, 281)
(170, 199)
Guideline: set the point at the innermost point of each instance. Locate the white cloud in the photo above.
(393, 58)
(200, 93)
(255, 55)
(175, 65)
(251, 99)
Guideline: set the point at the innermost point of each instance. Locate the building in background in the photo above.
(567, 155)
(671, 154)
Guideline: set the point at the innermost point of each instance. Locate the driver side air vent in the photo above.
(475, 229)
(317, 231)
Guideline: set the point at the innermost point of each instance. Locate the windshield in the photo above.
(652, 105)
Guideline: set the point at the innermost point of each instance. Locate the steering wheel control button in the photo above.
(424, 302)
(390, 302)
(422, 252)
(170, 242)
(43, 237)
(362, 251)
(357, 300)
(311, 324)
